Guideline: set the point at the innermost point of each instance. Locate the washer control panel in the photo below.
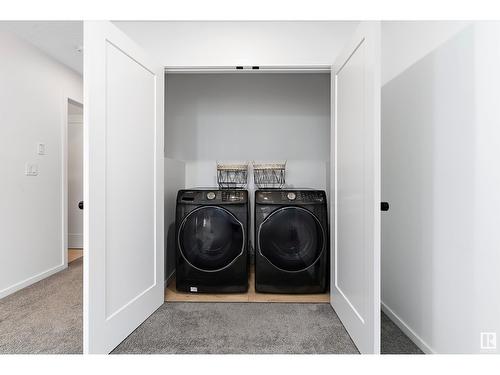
(212, 196)
(290, 197)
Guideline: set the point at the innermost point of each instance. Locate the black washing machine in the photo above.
(212, 241)
(291, 239)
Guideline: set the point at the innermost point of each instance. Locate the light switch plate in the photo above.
(41, 149)
(31, 169)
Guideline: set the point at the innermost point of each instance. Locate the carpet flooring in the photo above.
(393, 340)
(255, 328)
(45, 317)
(238, 328)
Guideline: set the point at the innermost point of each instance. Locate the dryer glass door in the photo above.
(291, 238)
(211, 238)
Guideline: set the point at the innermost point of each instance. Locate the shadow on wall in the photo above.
(428, 170)
(170, 252)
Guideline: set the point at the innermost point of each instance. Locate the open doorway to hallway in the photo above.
(75, 180)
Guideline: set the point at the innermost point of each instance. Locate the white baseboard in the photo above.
(31, 280)
(75, 240)
(407, 330)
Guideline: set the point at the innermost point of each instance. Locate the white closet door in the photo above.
(355, 284)
(123, 187)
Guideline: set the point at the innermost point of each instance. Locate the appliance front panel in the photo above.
(210, 238)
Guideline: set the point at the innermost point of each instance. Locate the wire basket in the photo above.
(232, 176)
(269, 175)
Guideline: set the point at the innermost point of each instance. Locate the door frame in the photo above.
(66, 100)
(272, 69)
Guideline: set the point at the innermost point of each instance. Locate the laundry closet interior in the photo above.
(241, 116)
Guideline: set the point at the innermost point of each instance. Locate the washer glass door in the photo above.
(291, 238)
(211, 238)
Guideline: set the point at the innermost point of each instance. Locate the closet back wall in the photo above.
(249, 116)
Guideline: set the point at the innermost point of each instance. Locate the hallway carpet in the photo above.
(239, 328)
(394, 341)
(45, 317)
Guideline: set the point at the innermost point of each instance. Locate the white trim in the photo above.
(248, 69)
(417, 340)
(75, 119)
(333, 181)
(31, 280)
(75, 240)
(64, 178)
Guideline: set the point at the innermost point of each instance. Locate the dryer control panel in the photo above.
(290, 197)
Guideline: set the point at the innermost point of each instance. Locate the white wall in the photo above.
(212, 117)
(440, 152)
(214, 43)
(405, 42)
(175, 177)
(33, 88)
(486, 261)
(75, 177)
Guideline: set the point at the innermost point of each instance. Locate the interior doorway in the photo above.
(74, 180)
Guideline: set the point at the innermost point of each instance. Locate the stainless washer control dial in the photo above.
(291, 196)
(210, 195)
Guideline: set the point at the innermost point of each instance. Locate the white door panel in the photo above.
(350, 261)
(356, 217)
(130, 180)
(123, 263)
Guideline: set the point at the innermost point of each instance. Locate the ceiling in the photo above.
(58, 39)
(247, 43)
(201, 43)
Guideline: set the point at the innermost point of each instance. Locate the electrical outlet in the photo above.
(31, 169)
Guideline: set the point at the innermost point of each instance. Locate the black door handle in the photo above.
(384, 206)
(80, 205)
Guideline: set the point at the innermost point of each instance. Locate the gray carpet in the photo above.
(394, 341)
(223, 328)
(45, 317)
(248, 328)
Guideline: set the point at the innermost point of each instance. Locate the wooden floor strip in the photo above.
(172, 295)
(74, 254)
